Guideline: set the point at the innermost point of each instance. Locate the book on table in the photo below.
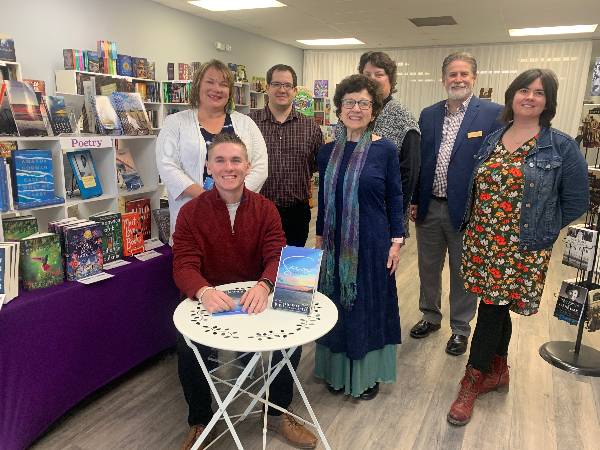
(162, 217)
(236, 295)
(133, 238)
(112, 240)
(41, 263)
(297, 278)
(142, 207)
(83, 250)
(17, 228)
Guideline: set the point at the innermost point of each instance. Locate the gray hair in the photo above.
(461, 56)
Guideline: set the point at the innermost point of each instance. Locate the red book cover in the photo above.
(133, 239)
(142, 207)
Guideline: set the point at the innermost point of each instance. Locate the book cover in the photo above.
(25, 109)
(133, 238)
(69, 59)
(321, 88)
(106, 116)
(6, 148)
(304, 103)
(297, 278)
(36, 85)
(127, 174)
(58, 113)
(8, 127)
(170, 71)
(132, 113)
(236, 296)
(590, 128)
(3, 270)
(570, 303)
(112, 241)
(593, 314)
(17, 228)
(580, 244)
(4, 188)
(124, 65)
(162, 218)
(7, 50)
(142, 207)
(41, 263)
(93, 61)
(139, 67)
(86, 176)
(83, 251)
(183, 71)
(151, 70)
(33, 178)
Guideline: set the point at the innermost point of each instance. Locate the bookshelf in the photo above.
(241, 96)
(142, 149)
(322, 108)
(258, 100)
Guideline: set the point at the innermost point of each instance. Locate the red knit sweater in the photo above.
(207, 252)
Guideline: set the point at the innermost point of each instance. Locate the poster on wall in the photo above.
(595, 89)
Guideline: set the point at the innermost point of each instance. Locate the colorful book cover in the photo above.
(151, 70)
(142, 207)
(590, 128)
(84, 170)
(41, 263)
(304, 103)
(321, 88)
(58, 113)
(127, 174)
(162, 218)
(7, 50)
(4, 189)
(297, 278)
(133, 238)
(25, 109)
(236, 295)
(132, 113)
(33, 179)
(93, 61)
(8, 127)
(69, 58)
(17, 228)
(6, 148)
(124, 65)
(139, 67)
(83, 251)
(183, 71)
(106, 116)
(112, 240)
(36, 85)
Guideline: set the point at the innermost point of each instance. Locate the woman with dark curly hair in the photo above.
(360, 228)
(530, 180)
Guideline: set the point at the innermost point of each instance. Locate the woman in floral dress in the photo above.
(530, 181)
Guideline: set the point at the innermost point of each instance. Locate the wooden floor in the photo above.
(545, 409)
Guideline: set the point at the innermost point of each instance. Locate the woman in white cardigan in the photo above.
(182, 142)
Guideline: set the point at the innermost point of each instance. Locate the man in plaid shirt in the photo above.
(292, 145)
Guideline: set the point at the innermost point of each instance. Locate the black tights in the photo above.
(491, 336)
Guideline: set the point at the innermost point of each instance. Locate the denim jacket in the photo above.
(555, 187)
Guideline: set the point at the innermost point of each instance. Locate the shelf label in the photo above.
(150, 244)
(145, 256)
(95, 278)
(77, 142)
(116, 263)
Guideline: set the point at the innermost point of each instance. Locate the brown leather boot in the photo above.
(193, 435)
(497, 379)
(462, 408)
(292, 431)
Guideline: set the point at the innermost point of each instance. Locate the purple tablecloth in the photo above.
(58, 345)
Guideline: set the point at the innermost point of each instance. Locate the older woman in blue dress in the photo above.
(360, 228)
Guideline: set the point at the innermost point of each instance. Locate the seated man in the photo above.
(226, 235)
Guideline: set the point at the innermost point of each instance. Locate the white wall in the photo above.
(42, 28)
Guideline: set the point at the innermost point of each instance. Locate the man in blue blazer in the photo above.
(451, 133)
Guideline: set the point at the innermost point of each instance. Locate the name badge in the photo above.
(474, 134)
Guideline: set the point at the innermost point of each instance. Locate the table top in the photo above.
(272, 329)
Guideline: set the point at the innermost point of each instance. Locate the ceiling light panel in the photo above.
(235, 5)
(344, 41)
(545, 31)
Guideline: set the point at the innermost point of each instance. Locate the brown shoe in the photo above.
(462, 409)
(498, 378)
(292, 431)
(194, 434)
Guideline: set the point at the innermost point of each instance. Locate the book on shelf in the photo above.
(36, 85)
(112, 240)
(297, 278)
(25, 109)
(133, 238)
(579, 248)
(33, 179)
(162, 218)
(139, 67)
(59, 114)
(321, 88)
(84, 170)
(5, 203)
(74, 59)
(17, 228)
(124, 65)
(93, 61)
(107, 52)
(142, 207)
(41, 263)
(570, 303)
(107, 120)
(39, 88)
(170, 71)
(9, 270)
(176, 92)
(127, 174)
(8, 127)
(89, 106)
(151, 70)
(259, 84)
(6, 148)
(184, 71)
(83, 250)
(7, 49)
(132, 113)
(108, 88)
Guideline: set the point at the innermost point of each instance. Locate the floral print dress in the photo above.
(493, 267)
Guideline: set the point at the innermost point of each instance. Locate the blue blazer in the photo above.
(481, 119)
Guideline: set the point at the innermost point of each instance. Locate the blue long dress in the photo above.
(361, 349)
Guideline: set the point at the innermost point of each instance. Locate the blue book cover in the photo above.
(236, 296)
(33, 182)
(83, 251)
(124, 65)
(4, 199)
(297, 278)
(84, 171)
(58, 114)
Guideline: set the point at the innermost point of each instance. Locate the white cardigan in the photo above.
(181, 155)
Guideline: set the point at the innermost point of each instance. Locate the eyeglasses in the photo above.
(277, 85)
(349, 103)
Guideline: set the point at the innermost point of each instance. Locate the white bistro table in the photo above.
(268, 331)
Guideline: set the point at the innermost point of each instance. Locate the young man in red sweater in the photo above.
(226, 235)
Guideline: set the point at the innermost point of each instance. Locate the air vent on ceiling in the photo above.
(433, 21)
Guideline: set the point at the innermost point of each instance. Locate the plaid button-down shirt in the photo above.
(292, 147)
(450, 129)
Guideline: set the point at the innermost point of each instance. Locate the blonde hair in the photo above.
(197, 81)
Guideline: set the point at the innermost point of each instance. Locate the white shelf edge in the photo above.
(144, 190)
(29, 138)
(28, 210)
(124, 77)
(79, 201)
(145, 136)
(176, 81)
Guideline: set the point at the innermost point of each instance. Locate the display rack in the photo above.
(258, 100)
(241, 96)
(322, 107)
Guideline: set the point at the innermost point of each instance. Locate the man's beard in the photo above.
(459, 93)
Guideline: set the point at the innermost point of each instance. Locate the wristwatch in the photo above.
(268, 283)
(398, 240)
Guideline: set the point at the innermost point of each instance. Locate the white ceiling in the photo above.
(384, 23)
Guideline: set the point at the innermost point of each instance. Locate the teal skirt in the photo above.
(356, 376)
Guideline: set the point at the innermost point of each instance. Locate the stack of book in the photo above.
(112, 240)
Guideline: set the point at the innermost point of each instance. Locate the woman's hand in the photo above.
(216, 301)
(319, 242)
(255, 299)
(394, 257)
